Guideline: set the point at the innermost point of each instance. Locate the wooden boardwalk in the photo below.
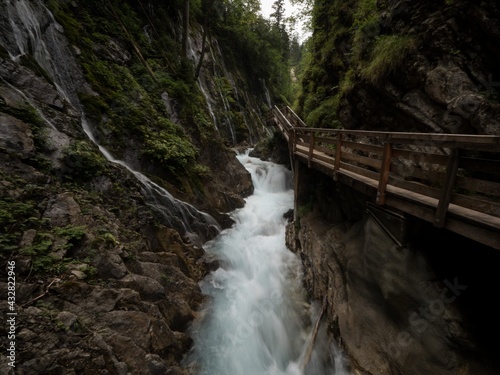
(450, 180)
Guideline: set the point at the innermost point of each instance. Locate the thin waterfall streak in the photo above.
(31, 103)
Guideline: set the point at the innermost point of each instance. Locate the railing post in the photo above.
(291, 140)
(338, 154)
(311, 149)
(294, 148)
(384, 173)
(296, 189)
(447, 189)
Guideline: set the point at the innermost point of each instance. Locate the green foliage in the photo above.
(15, 216)
(348, 44)
(108, 239)
(366, 28)
(30, 116)
(83, 161)
(42, 260)
(175, 151)
(260, 47)
(73, 234)
(388, 53)
(94, 105)
(72, 27)
(323, 114)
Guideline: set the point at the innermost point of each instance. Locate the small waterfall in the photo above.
(178, 214)
(266, 92)
(51, 51)
(28, 39)
(202, 83)
(257, 321)
(229, 78)
(227, 110)
(208, 99)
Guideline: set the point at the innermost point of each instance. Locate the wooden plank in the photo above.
(301, 143)
(361, 171)
(415, 187)
(384, 174)
(323, 157)
(477, 204)
(420, 157)
(338, 155)
(360, 183)
(447, 189)
(409, 137)
(475, 217)
(328, 141)
(431, 178)
(321, 166)
(375, 163)
(479, 186)
(364, 147)
(325, 150)
(295, 116)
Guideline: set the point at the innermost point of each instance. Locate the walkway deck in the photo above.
(450, 180)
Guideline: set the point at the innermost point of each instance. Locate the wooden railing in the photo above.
(454, 175)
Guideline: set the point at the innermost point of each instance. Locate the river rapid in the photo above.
(257, 320)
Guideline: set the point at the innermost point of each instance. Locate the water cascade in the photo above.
(51, 51)
(257, 321)
(268, 95)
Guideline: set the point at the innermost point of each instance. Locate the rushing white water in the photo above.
(52, 54)
(257, 321)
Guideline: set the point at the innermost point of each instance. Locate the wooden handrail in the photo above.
(407, 136)
(462, 170)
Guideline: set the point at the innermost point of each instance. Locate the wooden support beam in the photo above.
(295, 188)
(384, 174)
(447, 189)
(311, 149)
(338, 155)
(294, 143)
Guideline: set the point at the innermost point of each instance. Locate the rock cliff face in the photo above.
(428, 66)
(107, 261)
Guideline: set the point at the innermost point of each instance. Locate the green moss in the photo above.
(83, 162)
(324, 115)
(14, 213)
(72, 28)
(73, 234)
(388, 53)
(174, 151)
(94, 105)
(28, 115)
(367, 28)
